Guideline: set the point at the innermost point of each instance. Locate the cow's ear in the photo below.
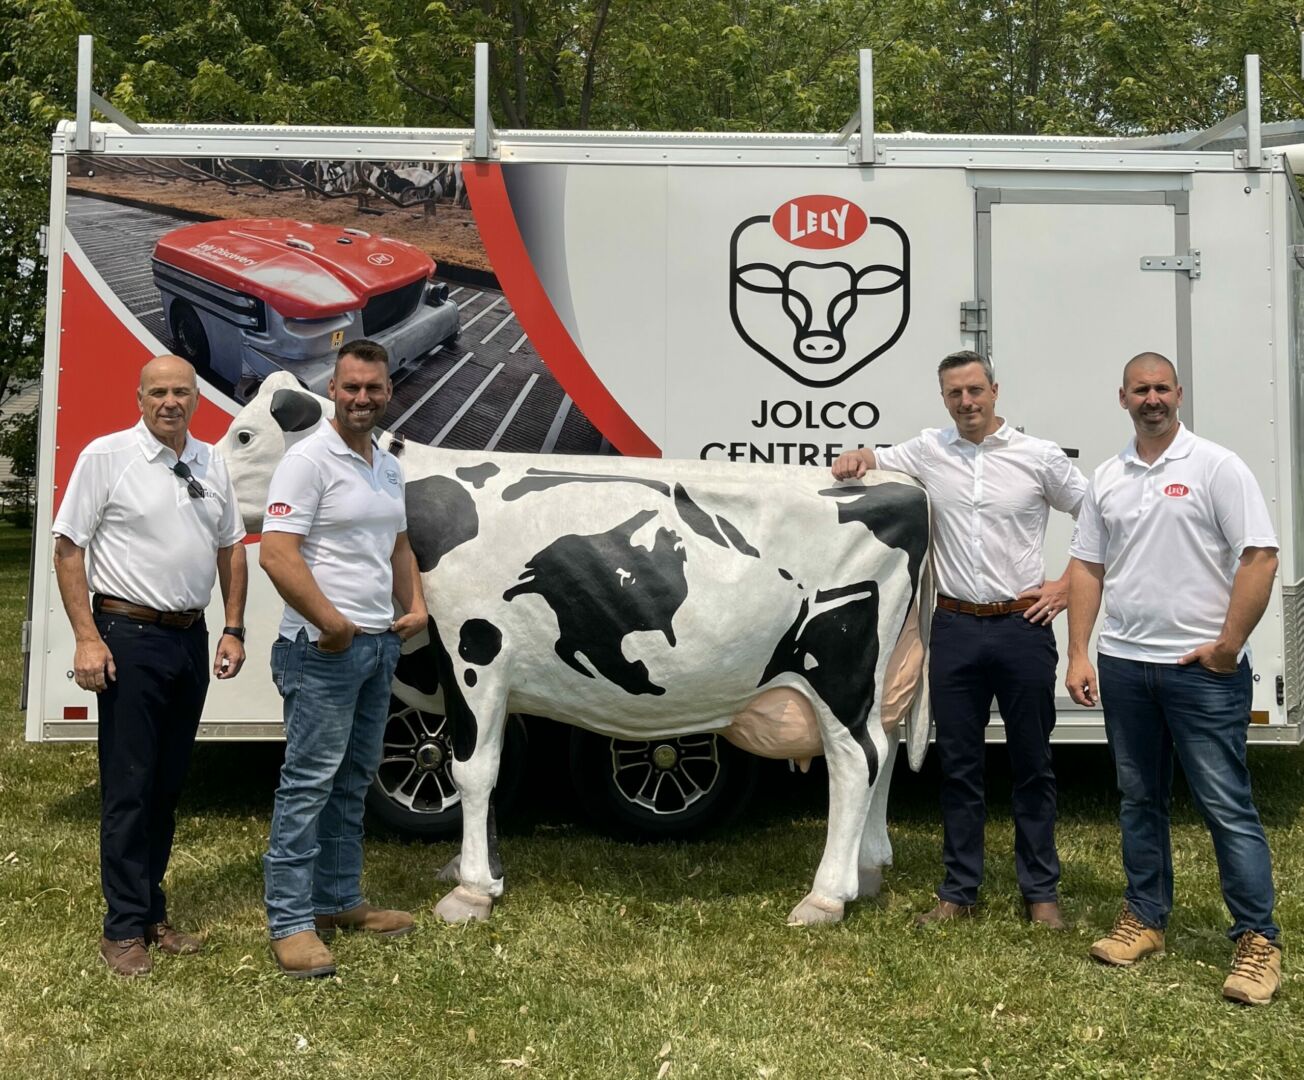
(877, 279)
(295, 411)
(760, 277)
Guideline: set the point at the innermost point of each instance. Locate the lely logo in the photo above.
(818, 287)
(380, 258)
(1177, 491)
(279, 509)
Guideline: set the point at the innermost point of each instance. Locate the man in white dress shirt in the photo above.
(1176, 539)
(991, 489)
(148, 521)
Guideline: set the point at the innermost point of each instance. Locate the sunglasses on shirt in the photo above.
(193, 486)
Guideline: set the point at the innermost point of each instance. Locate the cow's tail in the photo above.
(919, 720)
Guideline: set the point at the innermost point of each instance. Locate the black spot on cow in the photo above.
(736, 538)
(696, 518)
(479, 641)
(419, 669)
(470, 677)
(897, 514)
(836, 651)
(293, 410)
(441, 515)
(476, 475)
(542, 479)
(461, 718)
(602, 587)
(784, 574)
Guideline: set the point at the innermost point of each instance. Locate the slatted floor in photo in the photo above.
(488, 390)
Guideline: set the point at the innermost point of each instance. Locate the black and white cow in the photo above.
(643, 598)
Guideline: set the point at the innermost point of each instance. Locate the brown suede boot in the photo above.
(166, 938)
(364, 917)
(944, 911)
(128, 958)
(303, 956)
(1046, 913)
(1256, 970)
(1129, 941)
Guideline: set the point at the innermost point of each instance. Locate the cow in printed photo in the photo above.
(642, 598)
(819, 288)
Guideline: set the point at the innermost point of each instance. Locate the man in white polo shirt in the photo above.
(990, 488)
(335, 546)
(147, 523)
(1175, 536)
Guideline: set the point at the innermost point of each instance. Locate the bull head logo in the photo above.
(820, 319)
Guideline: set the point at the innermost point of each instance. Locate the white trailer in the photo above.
(750, 297)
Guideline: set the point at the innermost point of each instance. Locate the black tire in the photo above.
(413, 792)
(661, 789)
(188, 334)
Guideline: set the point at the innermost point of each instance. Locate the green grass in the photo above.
(612, 960)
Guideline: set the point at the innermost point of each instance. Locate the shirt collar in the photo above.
(1180, 447)
(1002, 434)
(336, 444)
(193, 450)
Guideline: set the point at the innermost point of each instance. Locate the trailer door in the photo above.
(1067, 303)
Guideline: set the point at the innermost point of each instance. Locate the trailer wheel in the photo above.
(190, 339)
(661, 789)
(413, 792)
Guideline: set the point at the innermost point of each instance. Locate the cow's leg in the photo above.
(853, 762)
(875, 847)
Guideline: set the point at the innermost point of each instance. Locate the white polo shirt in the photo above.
(989, 503)
(1169, 536)
(146, 539)
(349, 514)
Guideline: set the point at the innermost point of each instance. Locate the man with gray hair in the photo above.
(991, 489)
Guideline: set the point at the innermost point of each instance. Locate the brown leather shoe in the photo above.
(1046, 913)
(128, 958)
(1256, 970)
(303, 956)
(167, 938)
(1130, 940)
(945, 911)
(372, 920)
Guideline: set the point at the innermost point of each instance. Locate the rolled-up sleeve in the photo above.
(1062, 481)
(906, 457)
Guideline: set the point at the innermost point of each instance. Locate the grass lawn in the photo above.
(611, 960)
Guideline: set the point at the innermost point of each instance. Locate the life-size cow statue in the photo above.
(644, 598)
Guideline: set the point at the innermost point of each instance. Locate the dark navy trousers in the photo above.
(148, 719)
(973, 660)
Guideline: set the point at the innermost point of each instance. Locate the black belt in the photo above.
(180, 620)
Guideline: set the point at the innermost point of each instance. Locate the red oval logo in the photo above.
(280, 509)
(1176, 491)
(820, 221)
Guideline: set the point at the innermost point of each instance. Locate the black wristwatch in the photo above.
(236, 632)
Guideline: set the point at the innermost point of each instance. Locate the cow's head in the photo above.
(277, 417)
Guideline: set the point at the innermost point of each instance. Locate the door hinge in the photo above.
(1188, 263)
(1281, 690)
(27, 637)
(43, 240)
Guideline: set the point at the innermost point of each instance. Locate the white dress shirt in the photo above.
(146, 538)
(989, 503)
(1169, 536)
(349, 514)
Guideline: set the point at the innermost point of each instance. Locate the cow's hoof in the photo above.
(816, 911)
(452, 870)
(871, 881)
(462, 905)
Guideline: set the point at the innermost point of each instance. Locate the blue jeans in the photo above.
(1150, 711)
(335, 708)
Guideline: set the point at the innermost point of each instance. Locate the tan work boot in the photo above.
(166, 938)
(1046, 913)
(945, 911)
(303, 956)
(1128, 941)
(128, 958)
(1256, 970)
(372, 920)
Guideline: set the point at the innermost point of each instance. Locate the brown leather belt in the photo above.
(999, 607)
(180, 620)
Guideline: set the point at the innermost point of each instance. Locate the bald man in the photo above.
(148, 521)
